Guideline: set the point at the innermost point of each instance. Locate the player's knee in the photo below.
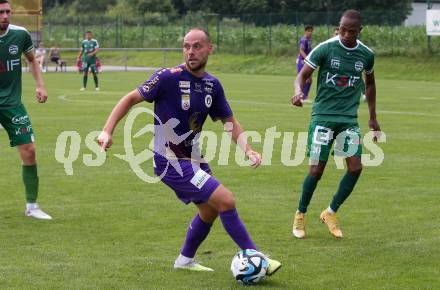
(227, 203)
(316, 172)
(355, 170)
(27, 153)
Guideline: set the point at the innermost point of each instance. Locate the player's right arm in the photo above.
(312, 62)
(305, 73)
(81, 51)
(119, 111)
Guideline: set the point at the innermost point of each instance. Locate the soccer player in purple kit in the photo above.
(305, 47)
(189, 94)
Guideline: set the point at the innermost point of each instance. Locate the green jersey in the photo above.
(15, 41)
(339, 79)
(89, 46)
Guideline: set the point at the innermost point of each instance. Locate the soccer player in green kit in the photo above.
(341, 61)
(15, 41)
(89, 49)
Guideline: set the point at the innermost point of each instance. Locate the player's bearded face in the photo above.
(349, 30)
(5, 12)
(196, 50)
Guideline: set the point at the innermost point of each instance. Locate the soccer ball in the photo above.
(249, 266)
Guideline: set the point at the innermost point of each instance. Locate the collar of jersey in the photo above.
(6, 32)
(348, 48)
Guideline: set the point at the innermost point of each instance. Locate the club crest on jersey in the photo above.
(335, 63)
(185, 102)
(13, 49)
(208, 101)
(359, 66)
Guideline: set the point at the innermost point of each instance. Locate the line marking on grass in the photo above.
(66, 99)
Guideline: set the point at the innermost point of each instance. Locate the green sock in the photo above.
(309, 186)
(345, 188)
(95, 78)
(84, 81)
(30, 180)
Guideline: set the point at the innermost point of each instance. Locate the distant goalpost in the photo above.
(29, 13)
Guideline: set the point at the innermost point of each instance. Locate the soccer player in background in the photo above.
(341, 61)
(87, 53)
(305, 46)
(189, 94)
(15, 41)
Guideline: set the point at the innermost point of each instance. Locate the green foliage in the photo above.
(139, 7)
(229, 34)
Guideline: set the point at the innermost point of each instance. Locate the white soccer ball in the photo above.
(249, 266)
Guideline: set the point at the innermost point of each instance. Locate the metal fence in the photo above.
(242, 34)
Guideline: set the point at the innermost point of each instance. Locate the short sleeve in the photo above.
(317, 56)
(220, 108)
(27, 44)
(150, 89)
(97, 44)
(302, 44)
(369, 68)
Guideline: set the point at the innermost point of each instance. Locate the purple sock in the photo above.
(306, 90)
(196, 234)
(236, 229)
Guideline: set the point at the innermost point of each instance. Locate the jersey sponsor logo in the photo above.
(335, 63)
(150, 84)
(11, 65)
(13, 49)
(184, 84)
(198, 87)
(208, 90)
(359, 66)
(341, 80)
(322, 135)
(200, 178)
(20, 120)
(185, 91)
(23, 130)
(186, 104)
(208, 101)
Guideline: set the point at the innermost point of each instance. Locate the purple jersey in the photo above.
(182, 103)
(306, 45)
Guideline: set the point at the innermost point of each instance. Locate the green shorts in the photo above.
(89, 65)
(18, 125)
(322, 134)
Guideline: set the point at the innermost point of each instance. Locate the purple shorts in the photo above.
(299, 65)
(192, 182)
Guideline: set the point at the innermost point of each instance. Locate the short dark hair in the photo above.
(4, 1)
(208, 36)
(308, 27)
(352, 14)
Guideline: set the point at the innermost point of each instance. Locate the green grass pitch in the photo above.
(113, 231)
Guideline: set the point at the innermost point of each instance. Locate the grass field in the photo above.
(113, 231)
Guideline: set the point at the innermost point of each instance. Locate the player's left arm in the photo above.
(40, 90)
(95, 51)
(370, 93)
(239, 137)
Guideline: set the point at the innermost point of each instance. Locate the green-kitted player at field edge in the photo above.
(341, 61)
(87, 54)
(15, 41)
